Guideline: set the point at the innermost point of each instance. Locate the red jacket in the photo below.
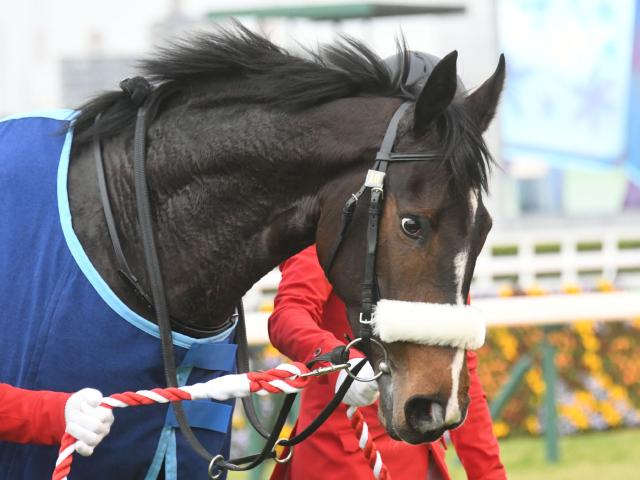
(28, 416)
(309, 318)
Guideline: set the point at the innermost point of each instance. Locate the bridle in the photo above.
(374, 184)
(141, 93)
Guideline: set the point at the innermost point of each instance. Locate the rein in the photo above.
(155, 274)
(140, 92)
(252, 461)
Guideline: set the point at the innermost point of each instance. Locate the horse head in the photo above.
(432, 227)
(251, 155)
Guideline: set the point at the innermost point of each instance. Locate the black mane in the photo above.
(280, 80)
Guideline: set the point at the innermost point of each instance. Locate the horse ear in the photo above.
(437, 93)
(482, 103)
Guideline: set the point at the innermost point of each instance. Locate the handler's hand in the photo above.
(359, 393)
(86, 420)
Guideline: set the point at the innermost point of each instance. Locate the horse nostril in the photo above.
(424, 413)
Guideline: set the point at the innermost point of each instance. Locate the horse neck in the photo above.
(234, 192)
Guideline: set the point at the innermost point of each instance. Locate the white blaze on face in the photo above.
(452, 413)
(460, 266)
(461, 259)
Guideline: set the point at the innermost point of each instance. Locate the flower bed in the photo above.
(598, 384)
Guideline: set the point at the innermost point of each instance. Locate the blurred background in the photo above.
(559, 277)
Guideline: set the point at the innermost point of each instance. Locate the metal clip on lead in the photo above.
(325, 370)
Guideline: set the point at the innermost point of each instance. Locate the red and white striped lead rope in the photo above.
(285, 378)
(367, 445)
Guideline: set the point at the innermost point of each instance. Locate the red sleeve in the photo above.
(474, 440)
(295, 324)
(28, 416)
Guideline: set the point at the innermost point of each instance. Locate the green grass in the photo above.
(590, 456)
(609, 455)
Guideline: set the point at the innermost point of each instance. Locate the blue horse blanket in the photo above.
(62, 328)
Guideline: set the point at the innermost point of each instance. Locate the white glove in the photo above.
(359, 393)
(86, 420)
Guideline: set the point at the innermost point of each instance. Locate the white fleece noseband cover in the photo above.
(459, 326)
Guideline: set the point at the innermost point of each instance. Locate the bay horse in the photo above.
(251, 154)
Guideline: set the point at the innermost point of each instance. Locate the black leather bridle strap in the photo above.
(411, 157)
(125, 270)
(252, 461)
(155, 276)
(121, 260)
(159, 298)
(242, 358)
(384, 153)
(389, 139)
(375, 183)
(147, 234)
(123, 267)
(326, 411)
(369, 286)
(348, 210)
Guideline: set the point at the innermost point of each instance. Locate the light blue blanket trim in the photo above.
(171, 460)
(166, 449)
(57, 114)
(92, 274)
(159, 456)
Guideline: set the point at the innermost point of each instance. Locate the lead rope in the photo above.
(367, 445)
(285, 378)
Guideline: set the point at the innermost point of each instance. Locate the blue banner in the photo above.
(570, 93)
(634, 117)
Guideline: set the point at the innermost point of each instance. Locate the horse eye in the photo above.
(411, 227)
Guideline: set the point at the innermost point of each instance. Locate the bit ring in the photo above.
(385, 359)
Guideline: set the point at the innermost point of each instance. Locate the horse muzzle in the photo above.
(426, 392)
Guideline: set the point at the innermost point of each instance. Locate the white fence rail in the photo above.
(558, 309)
(519, 311)
(578, 255)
